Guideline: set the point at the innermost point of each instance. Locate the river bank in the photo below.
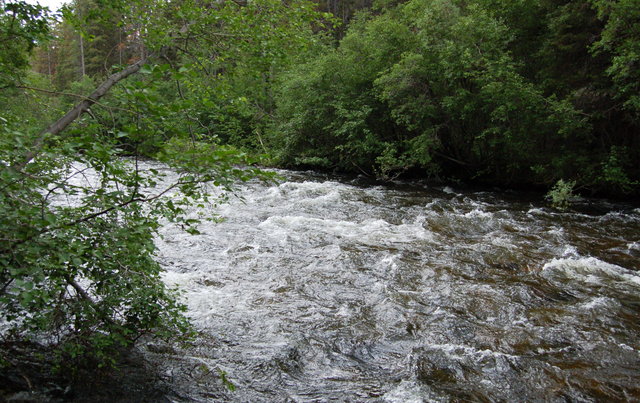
(39, 380)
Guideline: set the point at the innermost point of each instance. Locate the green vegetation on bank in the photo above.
(499, 92)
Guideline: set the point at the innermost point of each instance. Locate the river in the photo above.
(320, 289)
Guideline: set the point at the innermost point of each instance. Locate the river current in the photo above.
(323, 289)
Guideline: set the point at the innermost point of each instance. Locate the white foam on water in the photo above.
(411, 392)
(302, 190)
(605, 304)
(461, 352)
(590, 271)
(570, 251)
(620, 216)
(557, 231)
(202, 301)
(477, 213)
(432, 203)
(327, 199)
(536, 210)
(497, 239)
(633, 246)
(367, 231)
(629, 348)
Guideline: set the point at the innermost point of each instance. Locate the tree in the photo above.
(621, 38)
(502, 92)
(82, 274)
(22, 26)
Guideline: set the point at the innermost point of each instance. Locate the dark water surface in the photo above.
(320, 289)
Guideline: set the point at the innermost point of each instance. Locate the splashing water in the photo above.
(320, 289)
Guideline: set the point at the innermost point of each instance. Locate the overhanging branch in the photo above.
(78, 110)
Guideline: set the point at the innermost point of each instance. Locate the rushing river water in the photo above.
(318, 289)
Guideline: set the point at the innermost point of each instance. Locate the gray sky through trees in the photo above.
(52, 4)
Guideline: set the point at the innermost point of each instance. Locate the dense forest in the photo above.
(506, 93)
(509, 93)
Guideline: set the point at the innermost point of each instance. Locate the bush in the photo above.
(561, 194)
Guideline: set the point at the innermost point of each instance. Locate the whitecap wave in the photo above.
(590, 271)
(367, 231)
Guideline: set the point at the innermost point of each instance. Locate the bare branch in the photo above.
(81, 291)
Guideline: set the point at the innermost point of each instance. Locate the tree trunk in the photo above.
(78, 110)
(82, 56)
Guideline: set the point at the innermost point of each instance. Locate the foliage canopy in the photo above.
(509, 93)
